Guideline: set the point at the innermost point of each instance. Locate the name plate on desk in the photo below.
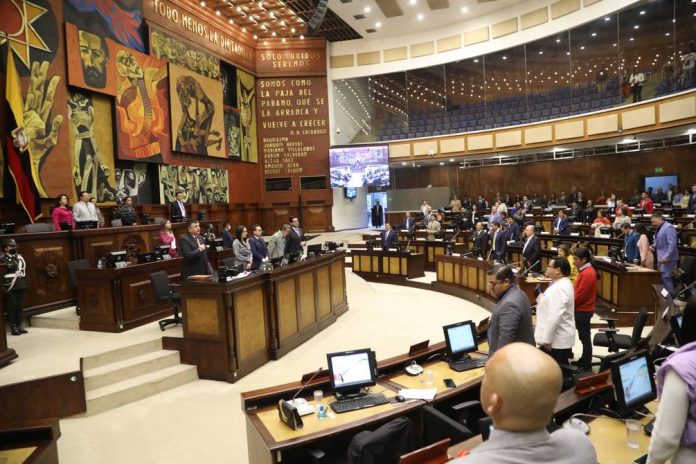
(439, 239)
(575, 234)
(544, 233)
(420, 239)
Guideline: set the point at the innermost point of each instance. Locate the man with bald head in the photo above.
(519, 392)
(531, 250)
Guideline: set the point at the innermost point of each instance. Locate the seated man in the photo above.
(519, 393)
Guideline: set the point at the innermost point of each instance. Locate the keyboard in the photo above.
(360, 402)
(468, 364)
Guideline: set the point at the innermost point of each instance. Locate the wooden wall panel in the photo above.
(251, 322)
(60, 395)
(287, 318)
(308, 308)
(323, 291)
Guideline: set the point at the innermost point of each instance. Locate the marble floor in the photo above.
(202, 421)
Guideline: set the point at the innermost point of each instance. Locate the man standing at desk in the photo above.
(259, 252)
(277, 243)
(433, 227)
(555, 323)
(531, 251)
(84, 210)
(519, 392)
(295, 241)
(480, 239)
(177, 208)
(192, 248)
(511, 319)
(666, 247)
(409, 222)
(560, 224)
(227, 238)
(389, 237)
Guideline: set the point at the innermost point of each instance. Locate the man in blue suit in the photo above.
(560, 224)
(666, 247)
(692, 201)
(409, 222)
(389, 237)
(259, 252)
(498, 242)
(513, 230)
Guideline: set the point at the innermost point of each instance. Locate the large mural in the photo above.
(133, 180)
(196, 113)
(246, 97)
(166, 47)
(199, 185)
(118, 20)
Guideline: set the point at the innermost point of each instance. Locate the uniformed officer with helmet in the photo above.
(15, 284)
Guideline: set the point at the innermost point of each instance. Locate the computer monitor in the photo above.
(214, 243)
(148, 257)
(294, 257)
(676, 324)
(164, 251)
(316, 249)
(634, 383)
(65, 226)
(461, 340)
(86, 224)
(351, 371)
(116, 258)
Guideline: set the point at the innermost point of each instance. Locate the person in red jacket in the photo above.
(646, 203)
(585, 290)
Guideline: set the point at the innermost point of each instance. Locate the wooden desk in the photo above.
(232, 328)
(114, 300)
(392, 263)
(464, 273)
(31, 441)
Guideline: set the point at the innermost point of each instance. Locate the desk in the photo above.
(392, 263)
(232, 328)
(31, 441)
(114, 300)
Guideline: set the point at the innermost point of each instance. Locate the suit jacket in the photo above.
(511, 320)
(195, 261)
(292, 242)
(513, 232)
(276, 245)
(227, 239)
(377, 215)
(532, 253)
(258, 251)
(389, 239)
(433, 229)
(666, 243)
(561, 225)
(409, 223)
(564, 446)
(175, 210)
(691, 208)
(481, 244)
(500, 244)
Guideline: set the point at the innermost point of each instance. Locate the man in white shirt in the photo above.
(636, 80)
(84, 210)
(555, 323)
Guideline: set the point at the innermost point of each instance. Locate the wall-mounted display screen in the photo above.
(359, 166)
(663, 182)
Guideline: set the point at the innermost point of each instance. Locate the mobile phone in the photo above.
(449, 383)
(641, 460)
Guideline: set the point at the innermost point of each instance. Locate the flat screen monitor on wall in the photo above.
(660, 181)
(359, 166)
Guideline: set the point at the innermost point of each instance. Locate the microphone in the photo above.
(530, 267)
(304, 384)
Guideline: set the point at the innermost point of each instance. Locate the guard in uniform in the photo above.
(15, 284)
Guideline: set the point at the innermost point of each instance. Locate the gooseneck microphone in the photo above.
(304, 384)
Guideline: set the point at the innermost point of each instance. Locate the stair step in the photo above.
(137, 388)
(102, 376)
(120, 354)
(65, 318)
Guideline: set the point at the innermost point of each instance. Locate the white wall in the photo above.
(349, 214)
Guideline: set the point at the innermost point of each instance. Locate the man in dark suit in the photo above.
(177, 209)
(497, 242)
(227, 238)
(531, 250)
(512, 233)
(377, 214)
(295, 242)
(409, 222)
(259, 252)
(561, 223)
(389, 237)
(691, 208)
(192, 248)
(511, 319)
(480, 239)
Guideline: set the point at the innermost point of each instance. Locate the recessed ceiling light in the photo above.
(217, 13)
(607, 18)
(292, 30)
(283, 40)
(594, 34)
(451, 160)
(202, 3)
(582, 47)
(412, 2)
(367, 9)
(636, 26)
(613, 45)
(476, 60)
(378, 24)
(273, 33)
(642, 12)
(301, 37)
(419, 17)
(231, 21)
(403, 163)
(631, 39)
(504, 57)
(442, 163)
(465, 10)
(667, 34)
(541, 52)
(256, 37)
(265, 42)
(558, 40)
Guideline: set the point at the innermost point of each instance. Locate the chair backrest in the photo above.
(75, 265)
(688, 266)
(228, 262)
(116, 223)
(437, 425)
(159, 220)
(431, 454)
(641, 320)
(39, 227)
(160, 283)
(385, 445)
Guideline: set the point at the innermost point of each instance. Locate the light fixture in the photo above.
(412, 2)
(541, 52)
(607, 18)
(256, 37)
(558, 40)
(292, 30)
(283, 40)
(273, 33)
(419, 17)
(301, 37)
(403, 163)
(691, 132)
(217, 13)
(202, 3)
(631, 39)
(465, 10)
(231, 21)
(631, 139)
(636, 26)
(367, 9)
(378, 24)
(642, 12)
(451, 160)
(244, 29)
(504, 57)
(594, 34)
(265, 42)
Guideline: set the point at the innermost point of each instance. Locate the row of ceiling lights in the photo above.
(246, 11)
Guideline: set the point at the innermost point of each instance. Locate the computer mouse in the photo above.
(399, 398)
(577, 424)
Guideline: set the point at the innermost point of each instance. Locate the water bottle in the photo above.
(100, 263)
(322, 412)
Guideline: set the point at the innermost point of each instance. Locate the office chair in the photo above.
(437, 425)
(228, 262)
(72, 267)
(38, 227)
(609, 338)
(164, 293)
(685, 275)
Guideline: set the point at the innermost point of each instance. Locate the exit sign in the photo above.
(658, 170)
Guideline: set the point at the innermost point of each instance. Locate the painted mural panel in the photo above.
(91, 60)
(199, 185)
(196, 113)
(246, 97)
(233, 133)
(133, 179)
(91, 144)
(118, 20)
(176, 51)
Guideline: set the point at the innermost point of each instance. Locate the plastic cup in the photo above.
(318, 396)
(428, 378)
(633, 433)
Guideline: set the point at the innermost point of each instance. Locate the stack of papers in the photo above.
(418, 393)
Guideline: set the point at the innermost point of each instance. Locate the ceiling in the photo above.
(379, 19)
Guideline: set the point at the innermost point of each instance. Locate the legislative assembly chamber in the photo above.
(355, 231)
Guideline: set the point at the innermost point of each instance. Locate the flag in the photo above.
(18, 158)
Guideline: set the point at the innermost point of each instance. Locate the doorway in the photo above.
(372, 199)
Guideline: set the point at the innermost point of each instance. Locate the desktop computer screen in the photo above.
(634, 384)
(351, 370)
(461, 339)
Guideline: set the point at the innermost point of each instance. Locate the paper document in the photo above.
(418, 393)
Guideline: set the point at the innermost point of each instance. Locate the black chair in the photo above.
(164, 293)
(72, 267)
(609, 338)
(438, 425)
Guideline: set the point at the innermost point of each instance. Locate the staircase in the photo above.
(131, 373)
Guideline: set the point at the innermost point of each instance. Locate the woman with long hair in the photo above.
(62, 212)
(242, 249)
(166, 237)
(646, 255)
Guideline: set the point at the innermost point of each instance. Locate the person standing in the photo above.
(259, 252)
(644, 249)
(177, 208)
(15, 284)
(389, 237)
(455, 204)
(295, 241)
(409, 222)
(167, 237)
(377, 215)
(62, 213)
(126, 212)
(433, 227)
(665, 246)
(630, 244)
(646, 203)
(512, 233)
(560, 224)
(227, 238)
(691, 207)
(564, 252)
(84, 210)
(585, 294)
(555, 322)
(276, 246)
(636, 80)
(531, 250)
(497, 242)
(193, 250)
(480, 240)
(511, 319)
(242, 249)
(100, 216)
